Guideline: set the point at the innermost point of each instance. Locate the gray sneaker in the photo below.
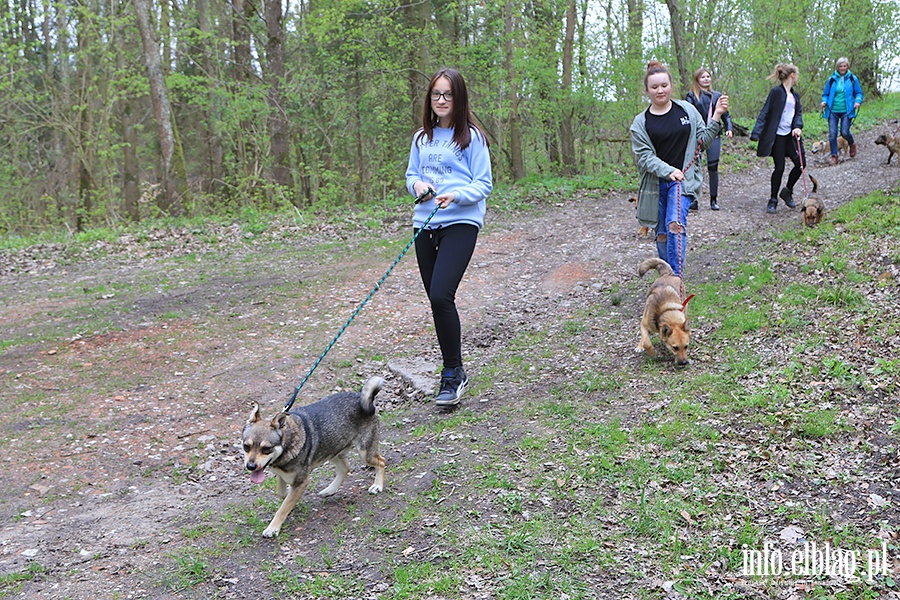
(453, 384)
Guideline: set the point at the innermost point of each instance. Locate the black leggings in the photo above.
(786, 146)
(443, 255)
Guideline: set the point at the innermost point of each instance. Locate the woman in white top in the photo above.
(778, 129)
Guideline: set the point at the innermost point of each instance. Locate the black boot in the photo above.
(694, 205)
(773, 204)
(713, 205)
(788, 197)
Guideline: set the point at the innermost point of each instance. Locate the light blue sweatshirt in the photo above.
(440, 163)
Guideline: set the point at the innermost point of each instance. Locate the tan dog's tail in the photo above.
(368, 393)
(661, 266)
(815, 183)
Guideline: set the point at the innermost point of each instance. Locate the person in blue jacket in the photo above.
(841, 99)
(449, 159)
(778, 128)
(704, 99)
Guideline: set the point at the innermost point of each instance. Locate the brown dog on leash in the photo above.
(812, 209)
(664, 312)
(891, 143)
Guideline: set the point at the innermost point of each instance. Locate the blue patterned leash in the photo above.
(419, 199)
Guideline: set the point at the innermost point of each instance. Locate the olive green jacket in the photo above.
(652, 168)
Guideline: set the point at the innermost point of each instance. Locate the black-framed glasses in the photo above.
(448, 96)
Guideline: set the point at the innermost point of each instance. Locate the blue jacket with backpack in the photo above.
(853, 94)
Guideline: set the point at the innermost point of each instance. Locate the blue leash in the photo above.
(419, 199)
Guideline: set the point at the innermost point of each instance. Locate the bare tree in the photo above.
(513, 122)
(174, 171)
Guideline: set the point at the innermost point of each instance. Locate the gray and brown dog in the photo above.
(292, 444)
(664, 312)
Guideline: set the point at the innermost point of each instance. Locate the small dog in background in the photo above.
(664, 312)
(292, 444)
(812, 208)
(643, 230)
(891, 143)
(824, 146)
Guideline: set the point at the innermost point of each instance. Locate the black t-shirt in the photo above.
(670, 134)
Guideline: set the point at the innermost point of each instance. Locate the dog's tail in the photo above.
(661, 266)
(368, 393)
(815, 183)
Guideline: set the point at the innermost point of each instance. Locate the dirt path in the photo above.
(121, 439)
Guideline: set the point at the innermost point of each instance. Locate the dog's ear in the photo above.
(279, 421)
(254, 413)
(665, 331)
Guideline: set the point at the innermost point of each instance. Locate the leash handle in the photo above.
(419, 199)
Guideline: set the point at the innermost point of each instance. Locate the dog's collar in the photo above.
(669, 308)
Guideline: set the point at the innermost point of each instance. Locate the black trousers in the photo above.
(786, 147)
(443, 255)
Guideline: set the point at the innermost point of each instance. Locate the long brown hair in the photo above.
(461, 118)
(695, 82)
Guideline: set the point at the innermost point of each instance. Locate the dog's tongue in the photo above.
(258, 476)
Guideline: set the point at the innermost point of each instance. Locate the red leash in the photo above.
(802, 167)
(680, 255)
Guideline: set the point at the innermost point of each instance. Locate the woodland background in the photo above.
(116, 111)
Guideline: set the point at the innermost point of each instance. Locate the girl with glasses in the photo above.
(449, 158)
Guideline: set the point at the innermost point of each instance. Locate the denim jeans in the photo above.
(675, 246)
(833, 120)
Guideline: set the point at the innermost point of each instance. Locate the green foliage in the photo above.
(74, 105)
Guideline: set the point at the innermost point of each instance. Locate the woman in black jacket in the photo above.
(778, 129)
(704, 99)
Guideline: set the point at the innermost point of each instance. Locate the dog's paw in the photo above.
(331, 490)
(375, 488)
(271, 531)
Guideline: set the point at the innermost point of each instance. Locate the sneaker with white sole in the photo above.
(453, 384)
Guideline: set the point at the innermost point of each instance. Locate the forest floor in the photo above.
(128, 368)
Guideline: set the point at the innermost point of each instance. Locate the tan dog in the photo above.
(825, 146)
(643, 231)
(891, 143)
(292, 444)
(664, 312)
(812, 209)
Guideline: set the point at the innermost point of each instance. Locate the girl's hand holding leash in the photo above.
(445, 200)
(423, 191)
(796, 133)
(676, 175)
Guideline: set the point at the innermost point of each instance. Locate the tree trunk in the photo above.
(240, 36)
(547, 83)
(678, 45)
(214, 153)
(418, 17)
(130, 166)
(567, 114)
(85, 125)
(174, 171)
(513, 123)
(279, 131)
